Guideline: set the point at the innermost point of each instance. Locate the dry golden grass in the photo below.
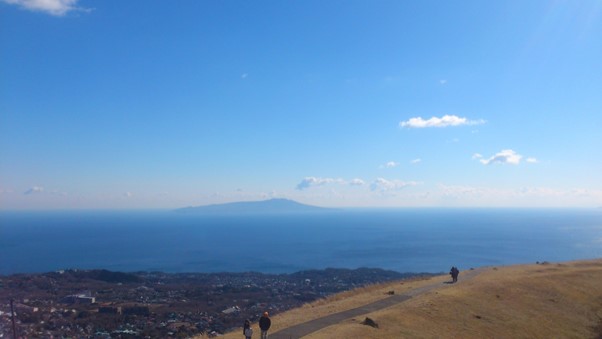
(526, 301)
(338, 303)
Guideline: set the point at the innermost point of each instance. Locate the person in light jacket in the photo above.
(247, 331)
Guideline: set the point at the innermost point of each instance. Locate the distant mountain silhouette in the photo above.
(272, 206)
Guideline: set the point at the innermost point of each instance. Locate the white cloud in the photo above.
(34, 190)
(357, 182)
(384, 185)
(506, 156)
(444, 121)
(532, 160)
(53, 7)
(416, 161)
(308, 182)
(390, 164)
(477, 156)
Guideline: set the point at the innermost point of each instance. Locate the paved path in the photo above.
(311, 326)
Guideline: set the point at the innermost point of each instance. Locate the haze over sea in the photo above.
(406, 240)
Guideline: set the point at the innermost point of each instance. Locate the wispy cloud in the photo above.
(308, 182)
(456, 191)
(357, 182)
(484, 194)
(444, 121)
(506, 156)
(383, 185)
(34, 190)
(52, 7)
(532, 160)
(416, 161)
(390, 164)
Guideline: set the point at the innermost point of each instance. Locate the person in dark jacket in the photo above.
(264, 325)
(454, 273)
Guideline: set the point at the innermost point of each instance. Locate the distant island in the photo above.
(271, 206)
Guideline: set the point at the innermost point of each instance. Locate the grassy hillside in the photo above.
(552, 300)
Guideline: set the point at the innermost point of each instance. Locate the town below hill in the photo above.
(106, 304)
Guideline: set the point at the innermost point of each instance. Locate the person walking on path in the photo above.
(264, 325)
(247, 331)
(454, 274)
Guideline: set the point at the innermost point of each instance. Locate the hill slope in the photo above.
(525, 301)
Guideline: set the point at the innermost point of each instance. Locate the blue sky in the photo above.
(148, 104)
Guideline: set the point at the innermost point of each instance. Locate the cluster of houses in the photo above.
(158, 304)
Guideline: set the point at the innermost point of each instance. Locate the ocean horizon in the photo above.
(404, 240)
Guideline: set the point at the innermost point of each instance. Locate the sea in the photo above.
(404, 240)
